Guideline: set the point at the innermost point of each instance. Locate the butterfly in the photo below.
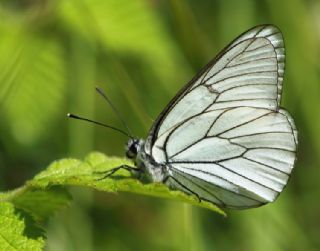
(224, 137)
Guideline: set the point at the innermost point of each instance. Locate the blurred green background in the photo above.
(53, 54)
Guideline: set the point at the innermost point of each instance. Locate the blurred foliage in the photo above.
(53, 53)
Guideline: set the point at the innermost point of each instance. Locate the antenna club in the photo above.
(70, 115)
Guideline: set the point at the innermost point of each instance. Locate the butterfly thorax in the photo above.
(150, 170)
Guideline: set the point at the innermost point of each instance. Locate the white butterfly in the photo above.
(223, 137)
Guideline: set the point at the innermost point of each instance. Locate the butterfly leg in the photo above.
(183, 186)
(106, 174)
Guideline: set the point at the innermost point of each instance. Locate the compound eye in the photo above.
(133, 149)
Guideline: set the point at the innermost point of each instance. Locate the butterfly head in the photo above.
(132, 148)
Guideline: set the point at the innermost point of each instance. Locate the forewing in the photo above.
(248, 72)
(223, 137)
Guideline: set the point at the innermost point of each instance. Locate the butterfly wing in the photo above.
(224, 137)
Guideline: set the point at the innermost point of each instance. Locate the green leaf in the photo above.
(45, 194)
(40, 196)
(42, 203)
(13, 231)
(75, 172)
(37, 202)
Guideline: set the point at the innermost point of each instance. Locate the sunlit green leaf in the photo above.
(41, 196)
(42, 203)
(75, 172)
(13, 231)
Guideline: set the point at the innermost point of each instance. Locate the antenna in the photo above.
(101, 92)
(98, 123)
